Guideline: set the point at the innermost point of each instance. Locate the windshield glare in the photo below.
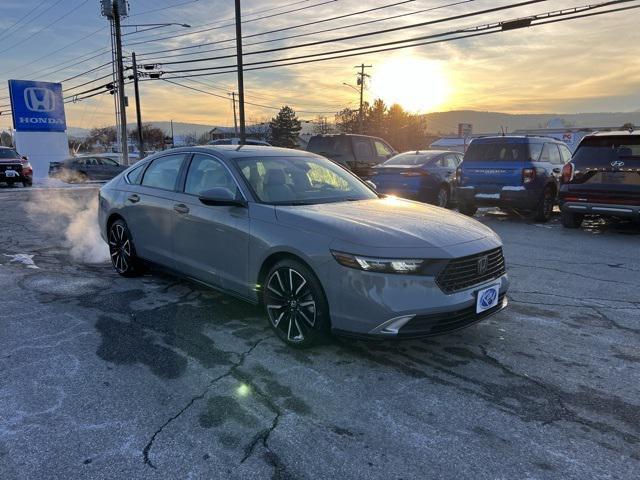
(301, 180)
(412, 158)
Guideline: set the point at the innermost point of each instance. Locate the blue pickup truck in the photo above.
(518, 173)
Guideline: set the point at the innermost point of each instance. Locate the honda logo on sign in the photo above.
(38, 99)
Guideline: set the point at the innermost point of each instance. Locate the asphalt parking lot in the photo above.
(107, 377)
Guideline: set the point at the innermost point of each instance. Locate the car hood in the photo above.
(386, 222)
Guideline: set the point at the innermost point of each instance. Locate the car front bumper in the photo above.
(611, 209)
(369, 304)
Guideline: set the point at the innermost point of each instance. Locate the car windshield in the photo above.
(411, 158)
(301, 181)
(496, 152)
(604, 150)
(8, 153)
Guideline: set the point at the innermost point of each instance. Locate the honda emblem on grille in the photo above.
(483, 263)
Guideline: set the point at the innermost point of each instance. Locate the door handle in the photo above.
(134, 198)
(181, 208)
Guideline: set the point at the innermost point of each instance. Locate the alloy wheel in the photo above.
(120, 248)
(290, 304)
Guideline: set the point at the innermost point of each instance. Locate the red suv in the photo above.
(603, 178)
(14, 168)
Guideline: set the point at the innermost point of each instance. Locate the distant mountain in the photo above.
(447, 122)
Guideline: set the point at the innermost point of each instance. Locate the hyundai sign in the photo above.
(37, 106)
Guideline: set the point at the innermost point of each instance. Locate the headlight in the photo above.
(387, 265)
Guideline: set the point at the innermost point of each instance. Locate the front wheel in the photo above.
(467, 209)
(121, 250)
(295, 304)
(571, 220)
(442, 199)
(544, 209)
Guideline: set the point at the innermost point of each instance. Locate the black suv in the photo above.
(603, 178)
(357, 152)
(14, 168)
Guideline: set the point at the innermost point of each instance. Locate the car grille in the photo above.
(440, 323)
(464, 272)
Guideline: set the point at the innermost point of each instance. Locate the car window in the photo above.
(8, 153)
(551, 154)
(381, 149)
(535, 150)
(565, 153)
(205, 173)
(109, 162)
(301, 180)
(135, 176)
(362, 149)
(459, 158)
(496, 152)
(449, 161)
(163, 172)
(411, 158)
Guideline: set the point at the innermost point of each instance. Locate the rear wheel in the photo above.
(295, 304)
(442, 199)
(571, 220)
(544, 209)
(27, 183)
(467, 209)
(122, 251)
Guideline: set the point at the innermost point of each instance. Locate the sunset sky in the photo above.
(585, 65)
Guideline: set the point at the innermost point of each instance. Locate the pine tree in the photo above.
(285, 128)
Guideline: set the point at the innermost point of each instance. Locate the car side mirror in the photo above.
(24, 157)
(221, 197)
(372, 185)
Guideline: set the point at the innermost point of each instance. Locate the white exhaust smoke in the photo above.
(74, 215)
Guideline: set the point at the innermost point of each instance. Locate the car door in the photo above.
(211, 242)
(364, 155)
(149, 211)
(110, 168)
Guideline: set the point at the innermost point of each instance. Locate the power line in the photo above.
(17, 22)
(368, 22)
(324, 2)
(46, 26)
(497, 29)
(368, 34)
(360, 12)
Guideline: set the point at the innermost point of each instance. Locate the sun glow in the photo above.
(416, 84)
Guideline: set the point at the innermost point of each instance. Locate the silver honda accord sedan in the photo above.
(305, 238)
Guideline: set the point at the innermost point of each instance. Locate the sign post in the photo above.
(39, 122)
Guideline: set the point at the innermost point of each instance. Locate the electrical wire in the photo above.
(17, 22)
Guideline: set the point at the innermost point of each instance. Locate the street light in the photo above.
(350, 86)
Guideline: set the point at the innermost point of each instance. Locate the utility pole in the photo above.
(120, 78)
(235, 120)
(240, 71)
(361, 77)
(172, 141)
(138, 112)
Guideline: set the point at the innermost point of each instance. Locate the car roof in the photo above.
(616, 133)
(237, 151)
(427, 151)
(330, 135)
(515, 139)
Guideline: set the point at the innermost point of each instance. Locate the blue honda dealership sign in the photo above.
(37, 106)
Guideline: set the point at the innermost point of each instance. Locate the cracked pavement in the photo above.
(152, 377)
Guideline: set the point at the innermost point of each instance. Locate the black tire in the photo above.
(122, 251)
(443, 198)
(544, 209)
(467, 209)
(295, 304)
(571, 220)
(27, 183)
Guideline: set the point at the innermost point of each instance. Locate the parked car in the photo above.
(603, 178)
(86, 168)
(356, 152)
(520, 173)
(15, 168)
(306, 238)
(236, 141)
(426, 176)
